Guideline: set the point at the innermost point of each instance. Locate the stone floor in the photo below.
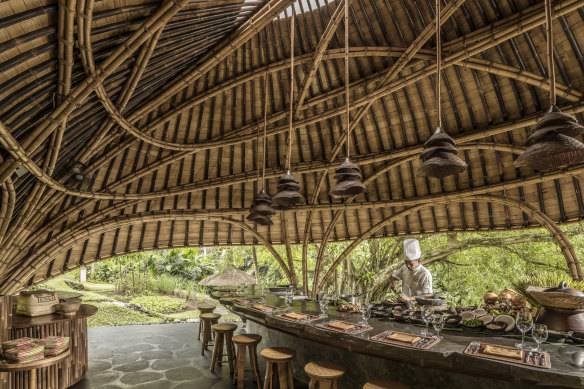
(162, 356)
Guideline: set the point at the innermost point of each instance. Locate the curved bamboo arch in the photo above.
(379, 172)
(455, 196)
(20, 276)
(562, 240)
(107, 212)
(472, 63)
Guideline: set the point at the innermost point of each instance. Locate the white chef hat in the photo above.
(412, 249)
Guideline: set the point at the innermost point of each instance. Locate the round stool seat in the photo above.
(206, 308)
(324, 370)
(383, 384)
(210, 316)
(247, 339)
(224, 327)
(278, 354)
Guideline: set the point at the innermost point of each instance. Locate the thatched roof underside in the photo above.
(161, 102)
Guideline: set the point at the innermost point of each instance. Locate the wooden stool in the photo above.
(383, 384)
(204, 309)
(249, 341)
(325, 373)
(223, 331)
(207, 320)
(280, 357)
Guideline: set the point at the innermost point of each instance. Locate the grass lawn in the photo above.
(104, 296)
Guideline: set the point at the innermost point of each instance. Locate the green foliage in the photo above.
(113, 315)
(160, 304)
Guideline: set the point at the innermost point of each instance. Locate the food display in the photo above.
(473, 323)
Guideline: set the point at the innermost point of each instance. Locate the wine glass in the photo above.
(438, 324)
(323, 302)
(263, 293)
(365, 314)
(524, 322)
(539, 332)
(289, 298)
(426, 317)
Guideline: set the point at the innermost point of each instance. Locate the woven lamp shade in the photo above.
(261, 209)
(349, 183)
(440, 157)
(551, 144)
(288, 192)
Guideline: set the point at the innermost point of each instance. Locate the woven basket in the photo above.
(558, 300)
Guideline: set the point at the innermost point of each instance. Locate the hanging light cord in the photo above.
(347, 69)
(438, 64)
(289, 151)
(550, 51)
(265, 126)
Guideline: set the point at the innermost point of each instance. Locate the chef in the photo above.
(416, 279)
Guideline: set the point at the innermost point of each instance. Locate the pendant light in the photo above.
(261, 209)
(288, 188)
(440, 156)
(348, 175)
(552, 144)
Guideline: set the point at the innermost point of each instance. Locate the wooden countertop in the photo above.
(22, 321)
(446, 355)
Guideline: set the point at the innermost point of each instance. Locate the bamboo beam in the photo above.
(91, 219)
(35, 137)
(389, 75)
(544, 220)
(18, 277)
(215, 56)
(318, 54)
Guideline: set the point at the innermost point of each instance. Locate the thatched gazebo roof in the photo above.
(131, 125)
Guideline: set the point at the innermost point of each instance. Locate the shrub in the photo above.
(160, 304)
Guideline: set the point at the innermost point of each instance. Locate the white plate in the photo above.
(486, 319)
(467, 315)
(506, 319)
(479, 312)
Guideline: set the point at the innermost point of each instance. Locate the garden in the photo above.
(163, 286)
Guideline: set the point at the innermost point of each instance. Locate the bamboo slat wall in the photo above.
(160, 102)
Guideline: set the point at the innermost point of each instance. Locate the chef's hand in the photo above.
(394, 286)
(403, 297)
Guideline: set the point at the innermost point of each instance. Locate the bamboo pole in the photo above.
(540, 216)
(18, 277)
(35, 138)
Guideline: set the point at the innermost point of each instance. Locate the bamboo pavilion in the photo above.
(137, 125)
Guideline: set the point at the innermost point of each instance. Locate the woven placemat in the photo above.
(535, 362)
(308, 319)
(270, 309)
(425, 342)
(358, 329)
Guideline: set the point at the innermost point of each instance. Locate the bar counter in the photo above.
(446, 356)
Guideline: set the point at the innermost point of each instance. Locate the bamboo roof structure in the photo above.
(131, 125)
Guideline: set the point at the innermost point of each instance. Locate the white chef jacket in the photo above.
(414, 282)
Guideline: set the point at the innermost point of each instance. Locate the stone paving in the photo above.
(161, 356)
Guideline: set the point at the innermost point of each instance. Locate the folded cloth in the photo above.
(342, 325)
(16, 342)
(53, 352)
(295, 315)
(24, 353)
(404, 338)
(242, 300)
(53, 341)
(503, 352)
(262, 308)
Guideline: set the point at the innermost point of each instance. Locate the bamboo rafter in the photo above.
(542, 218)
(77, 96)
